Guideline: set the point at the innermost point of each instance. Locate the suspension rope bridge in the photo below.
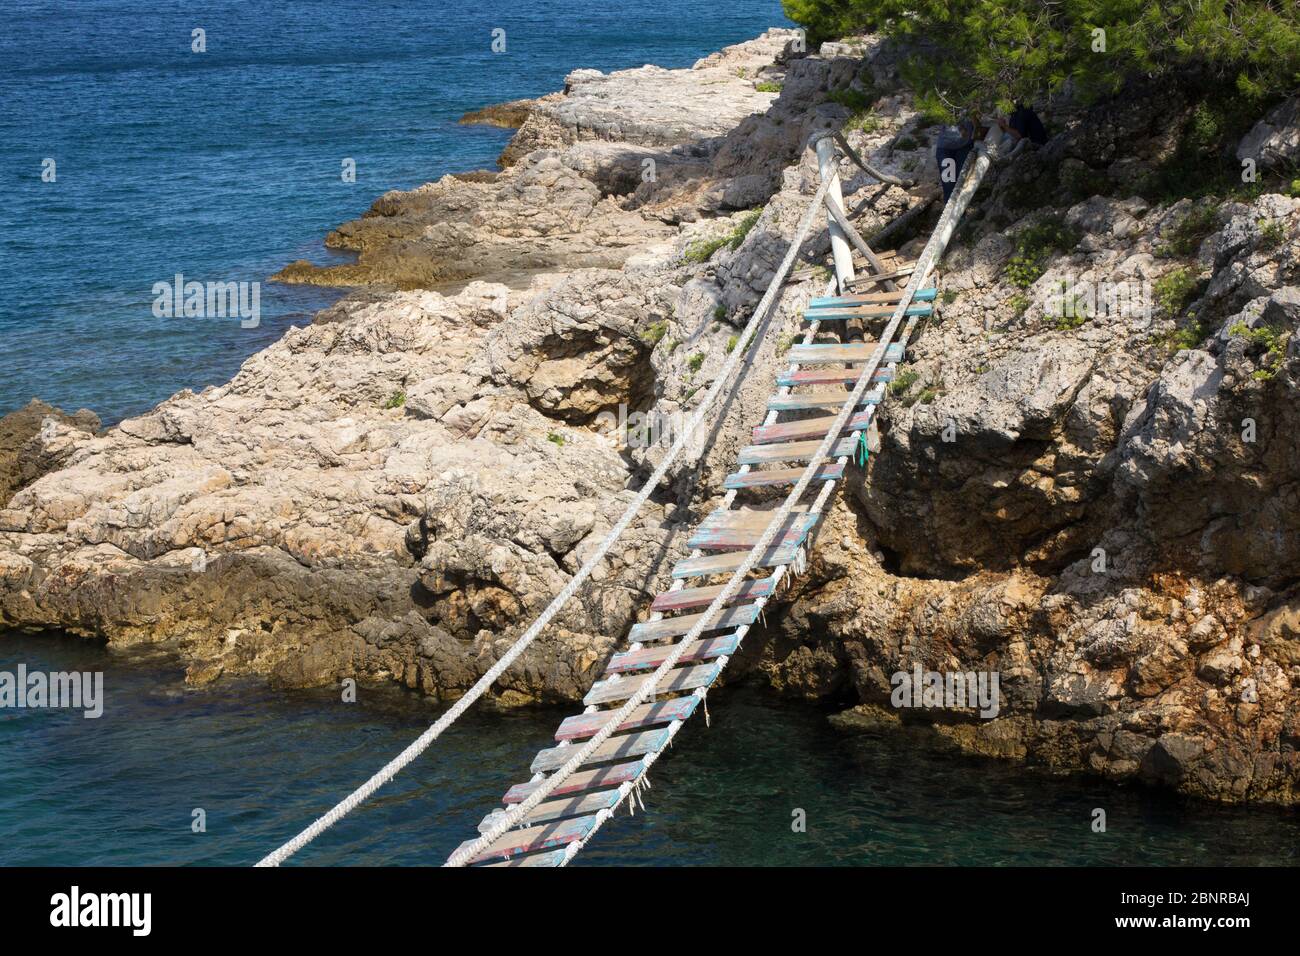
(602, 756)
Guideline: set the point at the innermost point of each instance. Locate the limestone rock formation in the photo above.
(36, 439)
(1096, 502)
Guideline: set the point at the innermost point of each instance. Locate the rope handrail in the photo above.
(924, 263)
(422, 743)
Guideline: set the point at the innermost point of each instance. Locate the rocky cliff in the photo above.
(1099, 503)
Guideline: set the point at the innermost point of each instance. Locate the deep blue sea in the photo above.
(262, 764)
(225, 165)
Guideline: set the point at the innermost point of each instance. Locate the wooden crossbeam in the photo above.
(808, 428)
(616, 748)
(648, 658)
(582, 726)
(792, 451)
(685, 598)
(854, 352)
(681, 678)
(582, 780)
(676, 626)
(782, 476)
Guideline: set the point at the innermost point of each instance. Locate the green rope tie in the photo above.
(863, 452)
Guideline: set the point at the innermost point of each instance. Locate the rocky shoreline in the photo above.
(393, 492)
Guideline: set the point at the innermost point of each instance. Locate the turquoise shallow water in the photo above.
(262, 763)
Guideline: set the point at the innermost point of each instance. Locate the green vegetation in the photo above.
(719, 312)
(852, 99)
(767, 86)
(905, 142)
(396, 400)
(1000, 52)
(695, 362)
(1083, 181)
(1294, 189)
(1019, 304)
(1174, 290)
(866, 121)
(949, 296)
(1272, 338)
(653, 333)
(555, 439)
(858, 102)
(903, 381)
(929, 395)
(732, 343)
(1186, 236)
(1188, 336)
(783, 343)
(1036, 246)
(1066, 322)
(703, 249)
(1272, 233)
(1203, 163)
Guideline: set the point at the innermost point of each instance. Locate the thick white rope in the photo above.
(421, 743)
(924, 264)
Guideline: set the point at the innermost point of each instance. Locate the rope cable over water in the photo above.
(484, 683)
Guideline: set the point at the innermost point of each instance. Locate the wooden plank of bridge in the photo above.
(757, 517)
(686, 598)
(866, 279)
(684, 678)
(648, 658)
(582, 726)
(808, 428)
(808, 400)
(610, 776)
(738, 534)
(544, 836)
(616, 748)
(793, 451)
(833, 376)
(868, 298)
(857, 352)
(711, 564)
(832, 471)
(549, 810)
(677, 626)
(551, 858)
(864, 312)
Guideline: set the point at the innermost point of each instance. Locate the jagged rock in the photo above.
(1274, 142)
(36, 439)
(509, 115)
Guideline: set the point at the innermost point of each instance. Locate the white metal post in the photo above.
(828, 165)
